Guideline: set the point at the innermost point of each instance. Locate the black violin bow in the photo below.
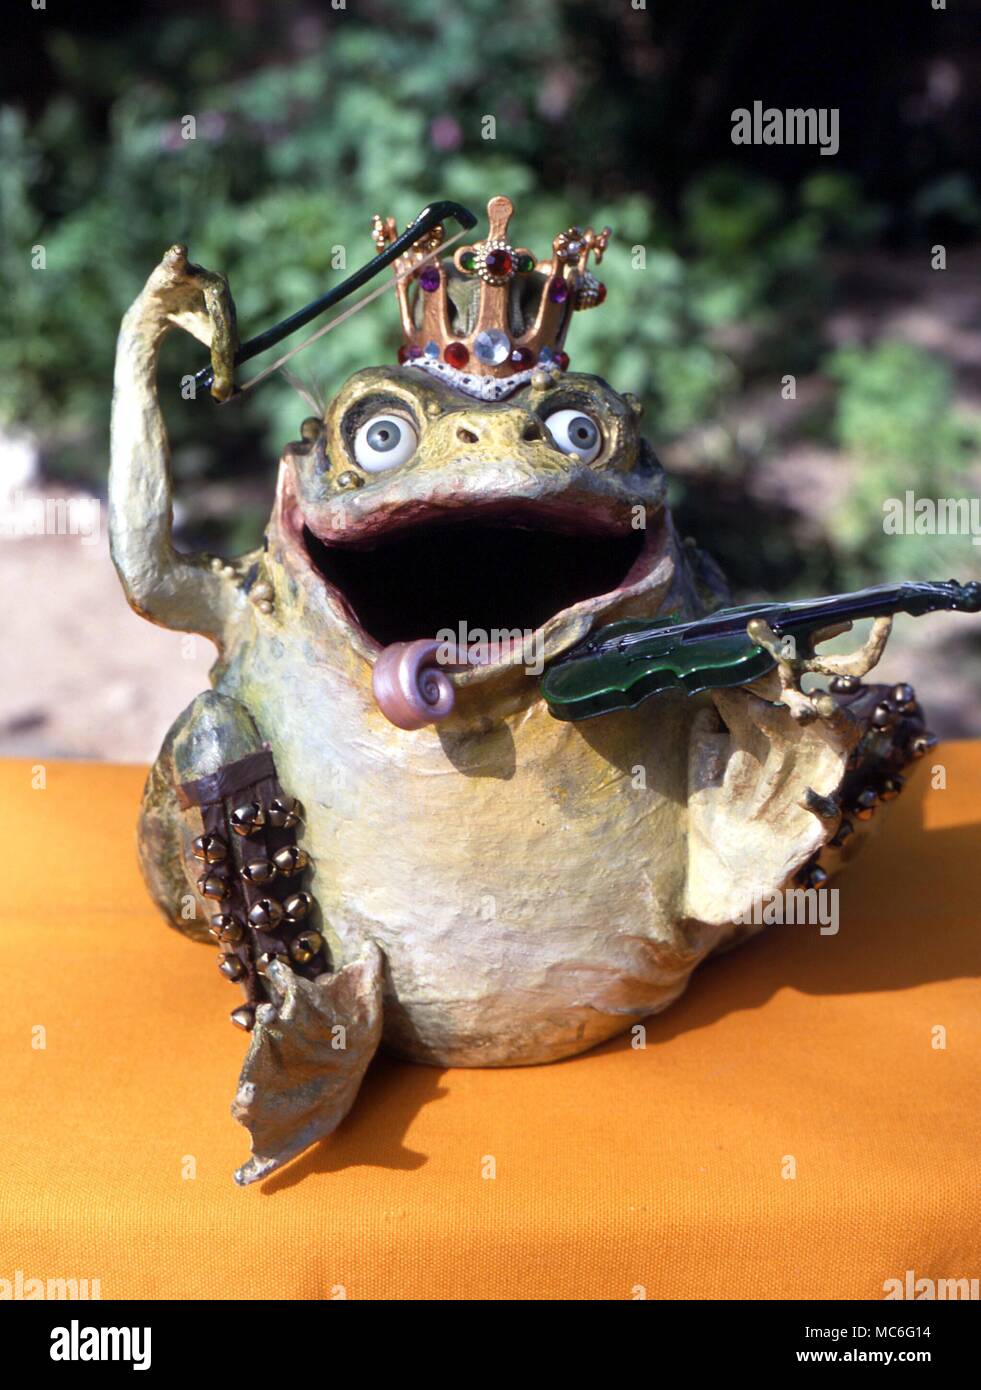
(429, 218)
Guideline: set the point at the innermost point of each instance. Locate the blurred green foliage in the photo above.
(895, 413)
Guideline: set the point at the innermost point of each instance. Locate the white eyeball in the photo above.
(384, 442)
(575, 433)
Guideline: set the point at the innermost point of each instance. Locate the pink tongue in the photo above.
(409, 687)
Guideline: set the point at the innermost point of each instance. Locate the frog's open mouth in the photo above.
(421, 581)
(439, 592)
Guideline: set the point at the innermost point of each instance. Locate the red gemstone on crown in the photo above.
(456, 355)
(600, 292)
(558, 290)
(408, 352)
(562, 361)
(499, 261)
(523, 357)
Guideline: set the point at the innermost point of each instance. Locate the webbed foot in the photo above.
(310, 1049)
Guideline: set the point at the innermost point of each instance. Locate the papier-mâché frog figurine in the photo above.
(391, 838)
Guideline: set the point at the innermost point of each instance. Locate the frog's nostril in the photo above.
(532, 432)
(466, 436)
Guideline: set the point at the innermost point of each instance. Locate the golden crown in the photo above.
(490, 315)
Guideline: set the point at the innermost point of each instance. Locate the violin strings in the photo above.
(346, 314)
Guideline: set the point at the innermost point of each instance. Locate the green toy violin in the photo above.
(628, 661)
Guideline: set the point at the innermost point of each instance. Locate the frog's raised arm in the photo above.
(172, 589)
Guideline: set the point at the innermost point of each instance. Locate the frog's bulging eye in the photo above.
(575, 433)
(384, 442)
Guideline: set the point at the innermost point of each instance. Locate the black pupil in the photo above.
(384, 436)
(582, 431)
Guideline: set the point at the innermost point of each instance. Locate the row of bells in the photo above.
(281, 814)
(302, 949)
(287, 861)
(266, 913)
(900, 702)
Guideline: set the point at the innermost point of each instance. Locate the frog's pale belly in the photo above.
(525, 883)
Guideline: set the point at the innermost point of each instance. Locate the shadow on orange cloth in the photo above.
(661, 1171)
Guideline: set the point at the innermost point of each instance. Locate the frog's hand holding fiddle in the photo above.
(215, 822)
(778, 778)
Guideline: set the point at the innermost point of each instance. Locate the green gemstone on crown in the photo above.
(468, 260)
(526, 263)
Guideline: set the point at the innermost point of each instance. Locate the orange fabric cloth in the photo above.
(659, 1168)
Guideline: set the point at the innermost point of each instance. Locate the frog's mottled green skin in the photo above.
(533, 886)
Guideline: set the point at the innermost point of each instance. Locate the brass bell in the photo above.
(891, 788)
(212, 886)
(883, 715)
(297, 905)
(903, 697)
(844, 685)
(291, 859)
(244, 1017)
(247, 819)
(231, 967)
(284, 813)
(226, 929)
(259, 871)
(865, 804)
(845, 829)
(211, 848)
(266, 913)
(304, 947)
(266, 959)
(922, 744)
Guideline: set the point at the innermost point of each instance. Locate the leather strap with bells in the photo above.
(894, 735)
(252, 870)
